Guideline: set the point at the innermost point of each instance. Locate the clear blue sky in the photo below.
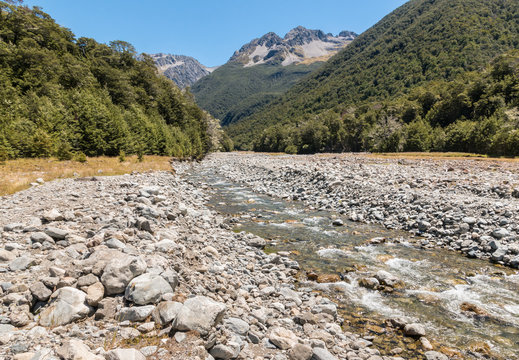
(209, 30)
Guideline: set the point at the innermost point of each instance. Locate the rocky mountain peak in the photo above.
(183, 70)
(299, 45)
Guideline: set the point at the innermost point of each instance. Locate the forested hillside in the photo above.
(372, 86)
(233, 92)
(63, 96)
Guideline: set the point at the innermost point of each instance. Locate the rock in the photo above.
(472, 308)
(118, 273)
(74, 349)
(236, 326)
(500, 233)
(434, 355)
(200, 314)
(369, 283)
(414, 330)
(21, 263)
(6, 255)
(328, 278)
(256, 241)
(283, 338)
(13, 227)
(300, 352)
(135, 313)
(40, 291)
(41, 237)
(290, 294)
(225, 352)
(166, 312)
(56, 234)
(66, 305)
(107, 309)
(147, 289)
(124, 354)
(52, 215)
(338, 222)
(386, 278)
(322, 354)
(171, 277)
(95, 293)
(470, 220)
(87, 280)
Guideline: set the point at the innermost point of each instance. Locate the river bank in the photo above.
(136, 266)
(466, 205)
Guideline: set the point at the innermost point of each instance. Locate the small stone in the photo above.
(322, 354)
(52, 215)
(136, 313)
(41, 237)
(237, 326)
(300, 352)
(414, 330)
(433, 355)
(74, 349)
(56, 234)
(40, 291)
(95, 293)
(21, 263)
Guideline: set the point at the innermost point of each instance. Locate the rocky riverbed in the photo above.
(466, 205)
(136, 267)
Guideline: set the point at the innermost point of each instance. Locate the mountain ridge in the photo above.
(183, 70)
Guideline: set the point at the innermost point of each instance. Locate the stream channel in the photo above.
(437, 284)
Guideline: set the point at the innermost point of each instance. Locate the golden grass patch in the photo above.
(16, 175)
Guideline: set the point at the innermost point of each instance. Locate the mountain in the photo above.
(264, 69)
(300, 45)
(421, 42)
(61, 95)
(183, 70)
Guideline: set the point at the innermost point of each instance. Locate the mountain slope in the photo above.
(183, 70)
(421, 41)
(263, 69)
(60, 95)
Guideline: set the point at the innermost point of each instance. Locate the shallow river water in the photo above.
(437, 283)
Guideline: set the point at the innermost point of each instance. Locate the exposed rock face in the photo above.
(183, 70)
(298, 45)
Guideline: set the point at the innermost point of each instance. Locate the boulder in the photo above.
(283, 338)
(118, 273)
(225, 352)
(147, 289)
(76, 350)
(414, 330)
(237, 326)
(56, 234)
(200, 314)
(95, 293)
(136, 313)
(322, 354)
(124, 354)
(300, 352)
(21, 263)
(40, 291)
(66, 305)
(166, 312)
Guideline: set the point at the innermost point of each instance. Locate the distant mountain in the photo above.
(263, 69)
(403, 84)
(300, 45)
(183, 70)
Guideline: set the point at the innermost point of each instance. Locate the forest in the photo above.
(70, 97)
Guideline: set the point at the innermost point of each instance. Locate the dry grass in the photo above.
(440, 156)
(16, 175)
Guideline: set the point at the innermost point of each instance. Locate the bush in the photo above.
(81, 157)
(291, 149)
(122, 156)
(64, 151)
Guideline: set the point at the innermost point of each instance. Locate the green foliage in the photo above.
(64, 151)
(233, 91)
(122, 156)
(476, 113)
(420, 65)
(61, 95)
(80, 157)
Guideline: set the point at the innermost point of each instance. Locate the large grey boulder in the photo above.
(136, 313)
(166, 312)
(322, 354)
(200, 314)
(76, 350)
(66, 305)
(283, 338)
(147, 289)
(118, 273)
(124, 354)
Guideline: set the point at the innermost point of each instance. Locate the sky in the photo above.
(208, 30)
